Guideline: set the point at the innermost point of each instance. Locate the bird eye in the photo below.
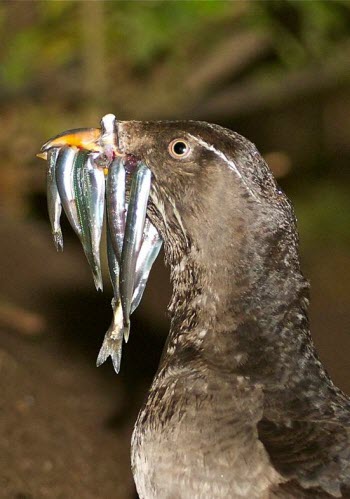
(179, 148)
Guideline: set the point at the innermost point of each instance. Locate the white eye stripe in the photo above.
(231, 164)
(210, 147)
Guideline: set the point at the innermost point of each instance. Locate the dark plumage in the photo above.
(241, 406)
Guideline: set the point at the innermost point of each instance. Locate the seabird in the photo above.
(241, 406)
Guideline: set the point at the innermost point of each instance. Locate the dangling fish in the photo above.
(69, 178)
(151, 244)
(113, 340)
(135, 223)
(87, 208)
(116, 208)
(93, 180)
(53, 200)
(116, 213)
(78, 162)
(64, 178)
(149, 251)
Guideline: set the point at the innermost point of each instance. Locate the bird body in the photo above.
(203, 441)
(241, 406)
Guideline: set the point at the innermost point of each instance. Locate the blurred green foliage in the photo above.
(45, 37)
(245, 64)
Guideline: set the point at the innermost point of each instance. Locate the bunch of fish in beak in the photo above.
(87, 177)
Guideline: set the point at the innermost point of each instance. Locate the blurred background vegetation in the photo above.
(275, 71)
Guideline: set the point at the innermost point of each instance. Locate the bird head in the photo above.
(212, 192)
(226, 226)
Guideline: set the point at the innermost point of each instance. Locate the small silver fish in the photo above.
(78, 161)
(64, 178)
(149, 251)
(94, 195)
(113, 340)
(85, 208)
(135, 223)
(53, 199)
(116, 209)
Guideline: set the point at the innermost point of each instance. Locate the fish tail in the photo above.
(110, 348)
(113, 340)
(97, 275)
(58, 240)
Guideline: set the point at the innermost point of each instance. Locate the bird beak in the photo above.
(96, 140)
(82, 138)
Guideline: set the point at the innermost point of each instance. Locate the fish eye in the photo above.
(179, 148)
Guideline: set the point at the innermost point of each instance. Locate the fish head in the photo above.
(209, 184)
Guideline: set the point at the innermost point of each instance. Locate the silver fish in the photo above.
(94, 195)
(113, 340)
(64, 178)
(135, 223)
(149, 251)
(85, 207)
(53, 199)
(116, 209)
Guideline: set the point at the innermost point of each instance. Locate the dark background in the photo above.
(275, 71)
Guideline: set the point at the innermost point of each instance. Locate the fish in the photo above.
(94, 196)
(113, 340)
(87, 173)
(151, 245)
(115, 203)
(134, 227)
(149, 251)
(53, 199)
(64, 179)
(87, 211)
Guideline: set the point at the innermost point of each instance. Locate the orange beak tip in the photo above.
(85, 138)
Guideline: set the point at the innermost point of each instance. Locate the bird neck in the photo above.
(220, 311)
(248, 320)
